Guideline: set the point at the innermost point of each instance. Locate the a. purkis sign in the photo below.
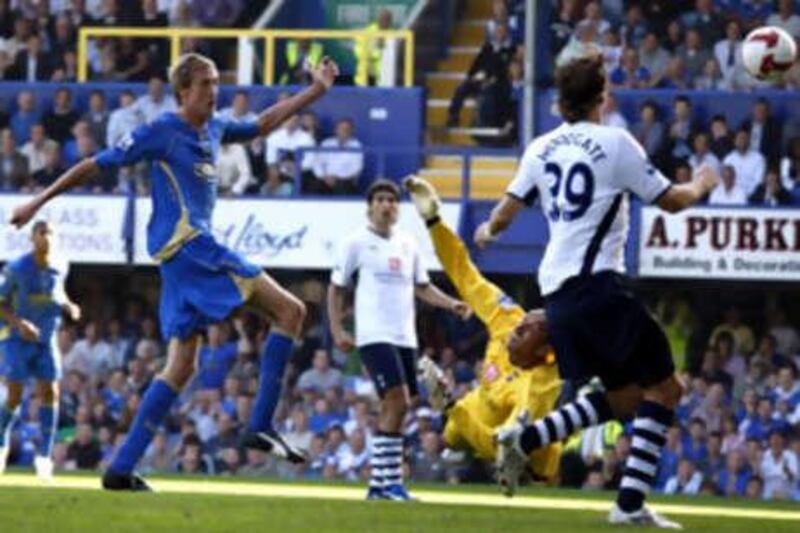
(722, 243)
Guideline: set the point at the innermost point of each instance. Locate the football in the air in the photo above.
(768, 52)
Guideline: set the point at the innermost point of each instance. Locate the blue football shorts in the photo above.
(204, 282)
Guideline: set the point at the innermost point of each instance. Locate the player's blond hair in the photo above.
(182, 72)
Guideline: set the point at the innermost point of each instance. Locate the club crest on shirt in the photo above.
(395, 264)
(205, 170)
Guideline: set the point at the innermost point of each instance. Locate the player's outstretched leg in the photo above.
(516, 441)
(650, 426)
(287, 314)
(424, 196)
(182, 355)
(48, 420)
(8, 416)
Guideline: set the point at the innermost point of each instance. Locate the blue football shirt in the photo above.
(34, 293)
(183, 174)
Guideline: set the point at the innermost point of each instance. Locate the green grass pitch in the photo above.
(72, 503)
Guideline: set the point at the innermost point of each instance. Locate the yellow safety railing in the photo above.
(269, 36)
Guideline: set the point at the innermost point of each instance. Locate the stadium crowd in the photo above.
(735, 432)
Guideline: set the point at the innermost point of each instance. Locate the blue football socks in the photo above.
(155, 405)
(277, 351)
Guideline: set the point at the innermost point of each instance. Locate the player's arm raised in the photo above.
(323, 77)
(679, 197)
(501, 218)
(432, 295)
(80, 174)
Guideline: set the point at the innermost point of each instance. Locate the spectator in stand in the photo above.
(702, 153)
(14, 175)
(757, 426)
(749, 164)
(562, 25)
(155, 102)
(694, 55)
(63, 37)
(85, 450)
(92, 355)
(765, 131)
(634, 30)
(732, 481)
(234, 174)
(788, 387)
(728, 53)
(309, 121)
(786, 335)
(675, 37)
(216, 357)
(741, 332)
(59, 121)
(649, 131)
(280, 149)
(301, 56)
(611, 50)
(24, 117)
(36, 149)
(53, 168)
(790, 169)
(683, 172)
(500, 15)
(70, 151)
(682, 128)
(610, 114)
(653, 57)
(630, 74)
(770, 192)
(693, 445)
(97, 117)
(705, 20)
(732, 361)
(122, 120)
(711, 78)
(687, 481)
(239, 110)
(721, 138)
(779, 468)
(321, 376)
(31, 63)
(593, 16)
(488, 72)
(338, 172)
(675, 76)
(786, 18)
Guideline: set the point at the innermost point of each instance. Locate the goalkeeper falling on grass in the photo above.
(515, 338)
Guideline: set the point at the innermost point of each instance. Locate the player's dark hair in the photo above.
(581, 84)
(382, 185)
(38, 225)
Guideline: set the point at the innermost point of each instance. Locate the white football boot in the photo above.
(44, 468)
(644, 517)
(510, 461)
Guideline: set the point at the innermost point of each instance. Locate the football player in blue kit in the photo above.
(202, 280)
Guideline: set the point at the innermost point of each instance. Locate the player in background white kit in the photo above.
(582, 173)
(390, 275)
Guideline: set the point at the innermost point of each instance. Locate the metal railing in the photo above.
(268, 36)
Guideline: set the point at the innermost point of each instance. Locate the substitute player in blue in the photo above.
(32, 298)
(202, 281)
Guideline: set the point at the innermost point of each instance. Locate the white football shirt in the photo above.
(388, 270)
(582, 173)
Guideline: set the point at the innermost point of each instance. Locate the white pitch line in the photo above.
(227, 488)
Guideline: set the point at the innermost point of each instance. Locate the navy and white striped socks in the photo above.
(649, 436)
(589, 410)
(386, 461)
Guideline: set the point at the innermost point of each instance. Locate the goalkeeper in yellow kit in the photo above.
(505, 390)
